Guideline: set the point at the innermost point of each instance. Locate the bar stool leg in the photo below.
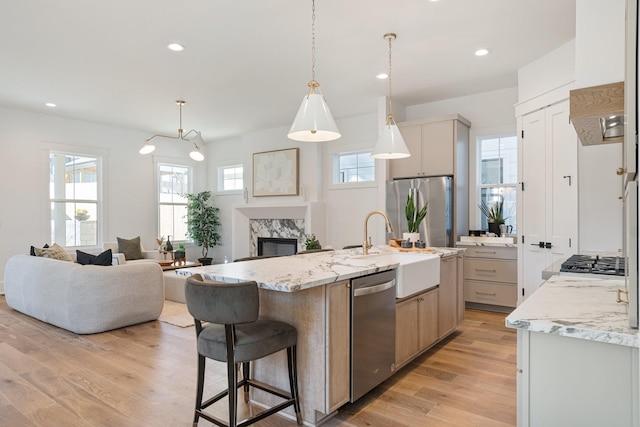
(245, 376)
(200, 388)
(293, 381)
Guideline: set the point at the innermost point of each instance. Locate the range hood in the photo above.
(597, 113)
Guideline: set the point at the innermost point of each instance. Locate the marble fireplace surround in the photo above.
(250, 221)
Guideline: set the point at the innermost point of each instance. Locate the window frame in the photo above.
(191, 175)
(335, 170)
(101, 156)
(499, 187)
(221, 170)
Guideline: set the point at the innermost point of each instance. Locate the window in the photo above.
(74, 189)
(173, 182)
(498, 175)
(230, 178)
(354, 167)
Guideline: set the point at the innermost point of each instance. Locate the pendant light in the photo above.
(314, 121)
(390, 144)
(195, 154)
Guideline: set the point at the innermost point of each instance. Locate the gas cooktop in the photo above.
(594, 264)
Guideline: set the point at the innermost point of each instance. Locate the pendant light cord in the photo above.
(389, 37)
(313, 40)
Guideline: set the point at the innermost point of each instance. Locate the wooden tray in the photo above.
(395, 243)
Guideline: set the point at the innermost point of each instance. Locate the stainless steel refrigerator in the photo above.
(437, 229)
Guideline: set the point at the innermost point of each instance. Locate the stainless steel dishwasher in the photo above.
(373, 331)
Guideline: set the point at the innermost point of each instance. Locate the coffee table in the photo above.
(183, 265)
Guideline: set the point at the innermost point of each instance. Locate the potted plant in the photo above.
(203, 221)
(311, 242)
(82, 214)
(494, 214)
(414, 218)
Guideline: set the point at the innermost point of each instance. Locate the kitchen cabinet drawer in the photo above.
(496, 252)
(504, 294)
(494, 270)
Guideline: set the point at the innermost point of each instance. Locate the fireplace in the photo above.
(276, 246)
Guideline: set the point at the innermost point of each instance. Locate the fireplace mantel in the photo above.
(313, 214)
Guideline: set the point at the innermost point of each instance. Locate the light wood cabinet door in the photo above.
(448, 295)
(406, 330)
(338, 346)
(438, 148)
(427, 318)
(412, 165)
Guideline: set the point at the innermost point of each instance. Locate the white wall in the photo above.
(130, 200)
(600, 59)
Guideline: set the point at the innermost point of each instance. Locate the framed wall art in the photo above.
(275, 173)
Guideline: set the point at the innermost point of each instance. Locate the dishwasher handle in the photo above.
(368, 290)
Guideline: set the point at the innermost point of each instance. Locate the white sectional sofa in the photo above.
(84, 299)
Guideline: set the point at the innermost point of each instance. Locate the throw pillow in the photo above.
(54, 252)
(105, 258)
(130, 248)
(32, 252)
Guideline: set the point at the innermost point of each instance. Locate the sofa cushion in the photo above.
(131, 248)
(55, 251)
(105, 258)
(32, 251)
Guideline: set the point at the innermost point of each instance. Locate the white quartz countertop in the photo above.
(298, 272)
(583, 308)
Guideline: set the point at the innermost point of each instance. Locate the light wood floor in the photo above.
(144, 375)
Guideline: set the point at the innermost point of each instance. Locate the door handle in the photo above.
(547, 245)
(539, 244)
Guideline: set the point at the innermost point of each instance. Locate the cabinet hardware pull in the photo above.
(492, 294)
(486, 252)
(485, 270)
(620, 300)
(621, 171)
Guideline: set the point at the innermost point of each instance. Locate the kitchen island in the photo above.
(577, 356)
(312, 292)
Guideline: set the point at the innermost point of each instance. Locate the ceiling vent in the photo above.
(597, 113)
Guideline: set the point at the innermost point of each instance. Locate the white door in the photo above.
(533, 202)
(549, 196)
(562, 183)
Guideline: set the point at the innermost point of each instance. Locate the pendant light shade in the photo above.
(147, 148)
(314, 121)
(196, 154)
(390, 144)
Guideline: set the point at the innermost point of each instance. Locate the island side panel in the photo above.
(306, 310)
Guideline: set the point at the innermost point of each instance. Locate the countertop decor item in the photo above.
(414, 216)
(203, 221)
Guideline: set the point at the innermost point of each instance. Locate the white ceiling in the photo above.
(246, 63)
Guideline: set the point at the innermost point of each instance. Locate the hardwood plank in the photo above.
(146, 375)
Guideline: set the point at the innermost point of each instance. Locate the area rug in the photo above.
(176, 313)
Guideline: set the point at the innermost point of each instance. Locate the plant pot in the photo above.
(494, 227)
(412, 237)
(205, 261)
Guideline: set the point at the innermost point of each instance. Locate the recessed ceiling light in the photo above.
(482, 52)
(50, 104)
(382, 76)
(176, 47)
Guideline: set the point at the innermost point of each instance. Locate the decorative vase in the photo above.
(412, 237)
(169, 245)
(205, 261)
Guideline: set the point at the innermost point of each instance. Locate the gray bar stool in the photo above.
(235, 335)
